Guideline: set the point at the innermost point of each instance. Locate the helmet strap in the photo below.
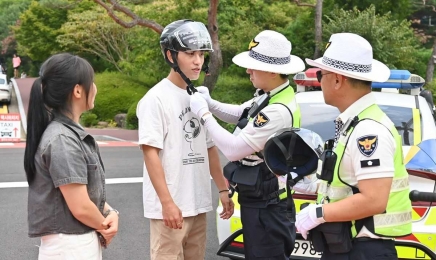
(290, 204)
(190, 86)
(205, 67)
(286, 152)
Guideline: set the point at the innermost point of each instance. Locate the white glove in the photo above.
(307, 220)
(204, 91)
(198, 104)
(308, 185)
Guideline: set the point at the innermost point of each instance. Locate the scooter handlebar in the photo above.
(415, 195)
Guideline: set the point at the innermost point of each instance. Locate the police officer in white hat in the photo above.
(269, 233)
(363, 198)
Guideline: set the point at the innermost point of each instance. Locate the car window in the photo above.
(403, 120)
(2, 81)
(320, 118)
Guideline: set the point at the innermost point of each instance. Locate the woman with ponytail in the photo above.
(67, 197)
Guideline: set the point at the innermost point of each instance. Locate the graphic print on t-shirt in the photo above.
(192, 130)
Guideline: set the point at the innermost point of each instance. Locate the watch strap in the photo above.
(107, 212)
(205, 117)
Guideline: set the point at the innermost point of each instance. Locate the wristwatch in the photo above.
(320, 213)
(204, 117)
(109, 211)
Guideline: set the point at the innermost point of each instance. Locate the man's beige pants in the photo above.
(188, 243)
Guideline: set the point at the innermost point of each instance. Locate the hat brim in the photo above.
(379, 71)
(244, 60)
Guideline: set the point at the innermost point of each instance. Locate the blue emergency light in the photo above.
(401, 79)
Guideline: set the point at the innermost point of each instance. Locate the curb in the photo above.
(20, 106)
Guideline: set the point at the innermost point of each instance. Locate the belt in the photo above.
(366, 239)
(362, 239)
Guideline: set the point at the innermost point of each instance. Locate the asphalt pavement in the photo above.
(132, 241)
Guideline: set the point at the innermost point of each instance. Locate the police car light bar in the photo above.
(401, 79)
(306, 79)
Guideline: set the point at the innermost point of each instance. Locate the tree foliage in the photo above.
(301, 33)
(393, 41)
(240, 21)
(400, 9)
(39, 27)
(94, 32)
(10, 10)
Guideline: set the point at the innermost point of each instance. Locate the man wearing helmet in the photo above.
(363, 194)
(267, 230)
(179, 154)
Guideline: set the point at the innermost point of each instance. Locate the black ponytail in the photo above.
(51, 92)
(37, 121)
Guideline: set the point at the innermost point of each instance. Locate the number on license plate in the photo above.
(305, 248)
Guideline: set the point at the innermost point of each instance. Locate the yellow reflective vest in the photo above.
(396, 221)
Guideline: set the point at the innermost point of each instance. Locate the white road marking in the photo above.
(23, 184)
(124, 180)
(6, 144)
(20, 106)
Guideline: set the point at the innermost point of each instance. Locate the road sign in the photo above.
(10, 128)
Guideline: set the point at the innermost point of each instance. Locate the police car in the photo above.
(413, 114)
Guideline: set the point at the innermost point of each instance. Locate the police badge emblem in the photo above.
(260, 120)
(367, 144)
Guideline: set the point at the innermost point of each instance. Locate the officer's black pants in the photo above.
(268, 233)
(366, 249)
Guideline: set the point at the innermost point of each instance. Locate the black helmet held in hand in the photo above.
(293, 150)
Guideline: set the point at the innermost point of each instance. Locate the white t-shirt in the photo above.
(166, 122)
(382, 150)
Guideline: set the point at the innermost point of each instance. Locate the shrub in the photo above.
(116, 93)
(88, 119)
(132, 119)
(232, 89)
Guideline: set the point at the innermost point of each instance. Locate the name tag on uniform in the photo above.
(370, 163)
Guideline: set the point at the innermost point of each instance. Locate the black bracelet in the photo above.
(222, 191)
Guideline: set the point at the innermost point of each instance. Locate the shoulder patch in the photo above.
(260, 120)
(367, 144)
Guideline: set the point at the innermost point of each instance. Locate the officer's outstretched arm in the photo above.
(228, 113)
(233, 147)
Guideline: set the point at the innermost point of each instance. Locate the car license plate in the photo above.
(304, 248)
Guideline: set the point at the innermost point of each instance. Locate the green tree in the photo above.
(39, 27)
(393, 42)
(92, 31)
(423, 22)
(10, 10)
(301, 33)
(400, 9)
(240, 21)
